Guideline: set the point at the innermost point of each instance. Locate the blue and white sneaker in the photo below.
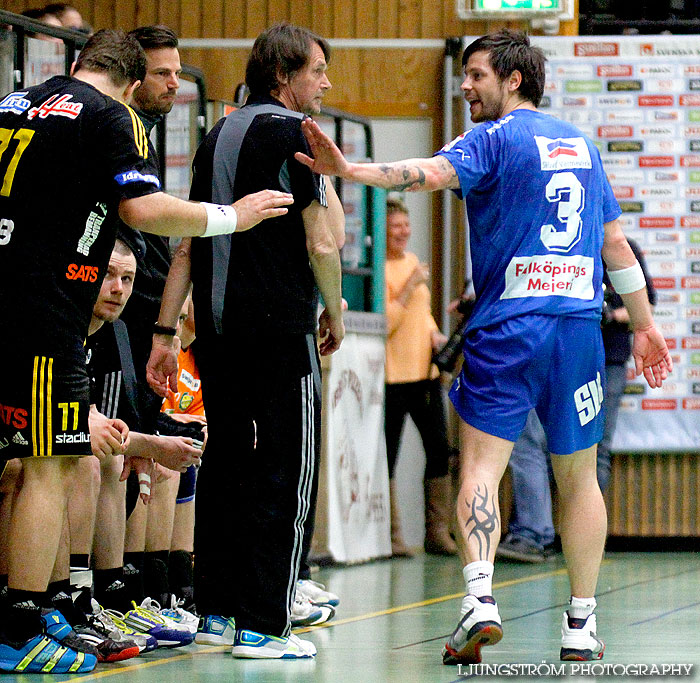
(251, 645)
(215, 630)
(479, 625)
(146, 618)
(181, 616)
(579, 642)
(304, 613)
(59, 629)
(316, 593)
(43, 654)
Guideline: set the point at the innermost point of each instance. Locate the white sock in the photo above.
(581, 608)
(478, 577)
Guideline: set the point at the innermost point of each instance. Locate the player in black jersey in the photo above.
(72, 155)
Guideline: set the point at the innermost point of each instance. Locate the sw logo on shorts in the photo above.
(589, 400)
(562, 153)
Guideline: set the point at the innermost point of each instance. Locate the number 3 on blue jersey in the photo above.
(564, 189)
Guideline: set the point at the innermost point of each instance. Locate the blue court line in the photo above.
(664, 614)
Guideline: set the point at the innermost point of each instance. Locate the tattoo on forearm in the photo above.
(400, 177)
(484, 519)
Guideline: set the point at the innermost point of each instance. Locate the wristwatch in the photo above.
(162, 329)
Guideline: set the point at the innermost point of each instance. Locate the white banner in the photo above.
(358, 479)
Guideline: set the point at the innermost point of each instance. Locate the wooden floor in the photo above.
(395, 615)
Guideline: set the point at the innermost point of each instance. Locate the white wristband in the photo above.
(221, 219)
(627, 280)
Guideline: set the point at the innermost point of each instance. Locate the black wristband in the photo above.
(162, 329)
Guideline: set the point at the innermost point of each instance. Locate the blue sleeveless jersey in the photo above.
(537, 198)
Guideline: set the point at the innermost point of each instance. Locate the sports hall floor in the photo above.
(395, 615)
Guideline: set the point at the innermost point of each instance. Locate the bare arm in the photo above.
(325, 263)
(336, 215)
(163, 214)
(415, 175)
(162, 365)
(649, 349)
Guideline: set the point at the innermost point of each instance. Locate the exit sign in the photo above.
(515, 9)
(510, 5)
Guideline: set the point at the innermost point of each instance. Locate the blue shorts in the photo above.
(550, 363)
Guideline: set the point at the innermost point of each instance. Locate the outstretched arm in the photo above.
(436, 173)
(163, 214)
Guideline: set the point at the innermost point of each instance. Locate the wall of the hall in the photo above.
(378, 83)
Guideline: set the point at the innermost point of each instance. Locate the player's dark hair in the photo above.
(510, 51)
(155, 37)
(115, 53)
(281, 50)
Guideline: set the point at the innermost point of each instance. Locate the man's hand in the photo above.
(176, 452)
(162, 365)
(331, 330)
(256, 207)
(107, 436)
(327, 159)
(145, 468)
(651, 356)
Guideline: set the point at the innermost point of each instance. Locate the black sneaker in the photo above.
(520, 550)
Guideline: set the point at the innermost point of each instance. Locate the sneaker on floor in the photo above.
(252, 645)
(579, 642)
(59, 629)
(480, 625)
(108, 649)
(316, 593)
(114, 624)
(327, 613)
(521, 550)
(43, 654)
(215, 630)
(303, 612)
(146, 618)
(180, 615)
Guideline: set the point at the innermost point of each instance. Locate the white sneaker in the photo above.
(181, 616)
(303, 612)
(479, 625)
(252, 645)
(580, 644)
(316, 593)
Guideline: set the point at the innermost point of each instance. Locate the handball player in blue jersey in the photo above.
(542, 217)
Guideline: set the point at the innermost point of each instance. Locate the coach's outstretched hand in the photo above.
(651, 356)
(327, 159)
(256, 207)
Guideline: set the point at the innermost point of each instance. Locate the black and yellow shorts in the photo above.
(44, 407)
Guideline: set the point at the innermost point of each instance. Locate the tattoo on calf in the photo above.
(484, 518)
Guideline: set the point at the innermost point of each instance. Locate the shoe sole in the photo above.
(210, 639)
(484, 633)
(244, 652)
(128, 653)
(568, 654)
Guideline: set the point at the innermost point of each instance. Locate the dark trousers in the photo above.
(423, 401)
(255, 484)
